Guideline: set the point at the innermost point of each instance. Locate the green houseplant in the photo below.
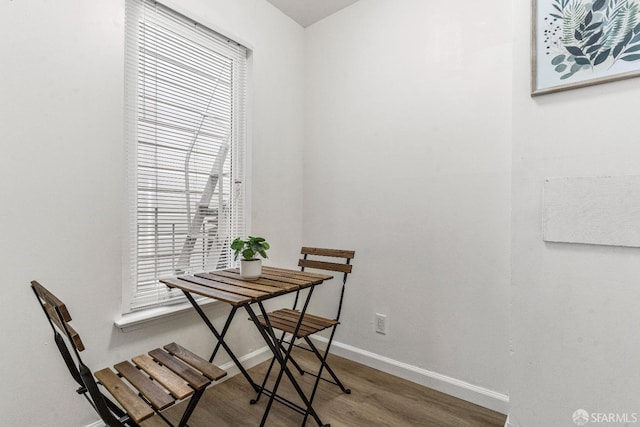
(249, 249)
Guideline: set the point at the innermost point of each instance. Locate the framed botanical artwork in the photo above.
(578, 43)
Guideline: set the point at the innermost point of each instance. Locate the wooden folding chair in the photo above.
(286, 319)
(154, 381)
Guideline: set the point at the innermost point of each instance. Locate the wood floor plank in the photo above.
(377, 400)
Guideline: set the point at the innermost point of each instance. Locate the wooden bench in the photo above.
(154, 381)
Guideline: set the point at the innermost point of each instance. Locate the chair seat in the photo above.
(142, 387)
(160, 377)
(286, 320)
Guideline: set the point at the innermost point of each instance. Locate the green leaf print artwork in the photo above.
(588, 36)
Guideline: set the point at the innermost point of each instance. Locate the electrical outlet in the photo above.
(381, 324)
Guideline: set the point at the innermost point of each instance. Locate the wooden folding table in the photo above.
(227, 286)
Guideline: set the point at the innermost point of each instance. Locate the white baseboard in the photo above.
(461, 389)
(248, 361)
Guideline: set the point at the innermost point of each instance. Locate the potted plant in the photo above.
(250, 265)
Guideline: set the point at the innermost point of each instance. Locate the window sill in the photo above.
(140, 319)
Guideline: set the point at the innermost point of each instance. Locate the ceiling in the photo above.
(307, 12)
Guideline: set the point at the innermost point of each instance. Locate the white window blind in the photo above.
(185, 127)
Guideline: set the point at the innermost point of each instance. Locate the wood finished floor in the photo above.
(377, 399)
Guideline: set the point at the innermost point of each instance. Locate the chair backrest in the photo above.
(70, 345)
(328, 259)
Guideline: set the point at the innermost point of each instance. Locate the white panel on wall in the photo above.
(593, 210)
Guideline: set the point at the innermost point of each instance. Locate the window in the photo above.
(185, 129)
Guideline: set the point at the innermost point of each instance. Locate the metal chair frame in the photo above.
(70, 345)
(305, 262)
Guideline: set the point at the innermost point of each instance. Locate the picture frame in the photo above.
(578, 43)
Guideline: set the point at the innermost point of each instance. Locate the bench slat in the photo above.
(210, 370)
(137, 408)
(324, 265)
(149, 389)
(286, 320)
(226, 285)
(296, 274)
(193, 377)
(244, 284)
(172, 382)
(284, 282)
(310, 322)
(233, 299)
(338, 253)
(288, 326)
(50, 303)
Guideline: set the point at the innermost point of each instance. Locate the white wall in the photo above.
(412, 115)
(407, 161)
(62, 184)
(574, 307)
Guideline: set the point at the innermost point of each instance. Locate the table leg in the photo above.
(224, 332)
(220, 338)
(271, 339)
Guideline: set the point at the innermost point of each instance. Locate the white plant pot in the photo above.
(250, 269)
